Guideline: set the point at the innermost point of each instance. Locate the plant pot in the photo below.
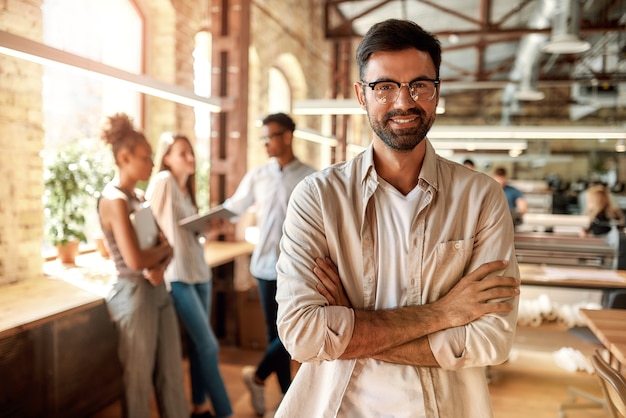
(66, 253)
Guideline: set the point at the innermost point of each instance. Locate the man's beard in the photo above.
(402, 139)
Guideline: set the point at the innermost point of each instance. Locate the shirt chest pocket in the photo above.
(451, 259)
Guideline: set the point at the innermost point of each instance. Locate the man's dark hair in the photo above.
(500, 171)
(397, 35)
(282, 119)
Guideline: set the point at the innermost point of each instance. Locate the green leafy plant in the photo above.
(73, 179)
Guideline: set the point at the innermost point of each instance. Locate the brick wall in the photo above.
(21, 140)
(287, 35)
(170, 26)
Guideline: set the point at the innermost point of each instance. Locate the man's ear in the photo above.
(360, 94)
(288, 137)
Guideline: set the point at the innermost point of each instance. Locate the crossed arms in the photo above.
(399, 335)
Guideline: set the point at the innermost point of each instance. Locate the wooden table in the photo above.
(217, 253)
(57, 345)
(572, 277)
(609, 325)
(29, 303)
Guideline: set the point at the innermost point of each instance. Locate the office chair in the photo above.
(574, 394)
(612, 299)
(592, 402)
(613, 386)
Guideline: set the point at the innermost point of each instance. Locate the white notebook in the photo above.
(145, 226)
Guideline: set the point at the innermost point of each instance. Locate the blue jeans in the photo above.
(276, 358)
(193, 303)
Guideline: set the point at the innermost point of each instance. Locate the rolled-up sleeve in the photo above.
(487, 340)
(309, 329)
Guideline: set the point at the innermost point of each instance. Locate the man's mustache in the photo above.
(410, 112)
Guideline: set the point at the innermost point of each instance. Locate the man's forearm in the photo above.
(413, 353)
(392, 332)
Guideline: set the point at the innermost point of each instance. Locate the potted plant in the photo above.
(73, 178)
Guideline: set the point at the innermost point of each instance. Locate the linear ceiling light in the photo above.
(475, 145)
(315, 136)
(23, 48)
(339, 107)
(525, 132)
(327, 107)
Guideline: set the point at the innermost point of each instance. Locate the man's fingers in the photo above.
(327, 282)
(324, 292)
(327, 266)
(493, 307)
(499, 294)
(499, 281)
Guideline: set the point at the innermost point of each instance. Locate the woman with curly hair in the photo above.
(139, 304)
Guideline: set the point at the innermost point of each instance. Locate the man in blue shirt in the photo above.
(514, 196)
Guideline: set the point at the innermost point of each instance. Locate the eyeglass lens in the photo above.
(420, 91)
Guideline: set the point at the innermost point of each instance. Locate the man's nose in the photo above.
(404, 97)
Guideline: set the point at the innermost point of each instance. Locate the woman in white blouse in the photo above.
(172, 197)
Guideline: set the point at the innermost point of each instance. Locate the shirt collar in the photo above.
(428, 174)
(290, 164)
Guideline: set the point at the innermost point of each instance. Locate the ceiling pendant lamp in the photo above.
(565, 30)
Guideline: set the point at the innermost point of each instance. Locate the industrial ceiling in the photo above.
(514, 62)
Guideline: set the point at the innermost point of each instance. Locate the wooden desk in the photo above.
(572, 277)
(609, 325)
(217, 253)
(29, 303)
(58, 351)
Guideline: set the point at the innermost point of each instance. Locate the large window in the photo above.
(202, 87)
(279, 99)
(75, 104)
(106, 31)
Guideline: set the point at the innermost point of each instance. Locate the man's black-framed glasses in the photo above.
(387, 91)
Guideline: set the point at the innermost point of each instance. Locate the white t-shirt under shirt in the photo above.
(384, 389)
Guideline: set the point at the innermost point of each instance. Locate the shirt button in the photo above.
(457, 245)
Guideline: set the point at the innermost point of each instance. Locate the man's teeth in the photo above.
(404, 120)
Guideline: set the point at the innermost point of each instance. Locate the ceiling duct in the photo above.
(523, 76)
(527, 90)
(591, 97)
(565, 30)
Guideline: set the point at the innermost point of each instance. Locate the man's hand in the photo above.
(397, 335)
(476, 295)
(472, 297)
(331, 287)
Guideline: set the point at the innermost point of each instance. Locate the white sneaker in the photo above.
(257, 391)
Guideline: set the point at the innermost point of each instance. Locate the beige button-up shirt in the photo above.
(463, 222)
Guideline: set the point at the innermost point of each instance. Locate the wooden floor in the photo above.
(528, 385)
